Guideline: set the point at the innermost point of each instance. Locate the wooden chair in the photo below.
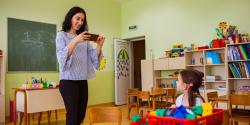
(170, 96)
(133, 92)
(239, 115)
(241, 92)
(105, 114)
(144, 95)
(160, 98)
(212, 97)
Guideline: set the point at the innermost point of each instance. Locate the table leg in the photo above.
(39, 118)
(153, 100)
(21, 118)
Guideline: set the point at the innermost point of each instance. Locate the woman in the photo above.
(77, 59)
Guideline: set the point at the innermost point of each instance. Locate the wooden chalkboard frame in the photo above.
(28, 40)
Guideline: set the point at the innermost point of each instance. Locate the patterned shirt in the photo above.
(80, 64)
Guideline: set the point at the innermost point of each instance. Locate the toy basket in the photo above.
(214, 119)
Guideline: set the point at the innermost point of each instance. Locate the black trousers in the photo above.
(75, 97)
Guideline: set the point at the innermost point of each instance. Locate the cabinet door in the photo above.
(161, 64)
(147, 75)
(176, 63)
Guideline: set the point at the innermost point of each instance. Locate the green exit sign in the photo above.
(133, 27)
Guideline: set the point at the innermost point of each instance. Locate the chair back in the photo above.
(144, 95)
(105, 114)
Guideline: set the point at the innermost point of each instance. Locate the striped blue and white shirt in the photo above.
(80, 64)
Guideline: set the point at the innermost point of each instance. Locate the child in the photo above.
(189, 81)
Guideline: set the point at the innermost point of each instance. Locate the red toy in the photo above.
(141, 122)
(203, 47)
(218, 43)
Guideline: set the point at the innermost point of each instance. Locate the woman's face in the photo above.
(77, 21)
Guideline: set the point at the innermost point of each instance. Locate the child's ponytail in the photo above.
(191, 97)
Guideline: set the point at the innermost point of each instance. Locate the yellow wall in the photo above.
(104, 17)
(167, 22)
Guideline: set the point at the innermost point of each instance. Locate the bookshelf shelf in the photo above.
(238, 61)
(211, 90)
(195, 65)
(239, 78)
(219, 81)
(234, 44)
(166, 78)
(194, 51)
(214, 49)
(215, 64)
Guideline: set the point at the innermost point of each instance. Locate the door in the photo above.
(138, 55)
(122, 70)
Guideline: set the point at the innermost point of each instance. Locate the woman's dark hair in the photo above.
(194, 77)
(68, 17)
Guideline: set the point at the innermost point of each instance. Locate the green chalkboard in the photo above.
(31, 46)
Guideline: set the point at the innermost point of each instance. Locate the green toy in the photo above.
(136, 118)
(160, 112)
(190, 116)
(197, 110)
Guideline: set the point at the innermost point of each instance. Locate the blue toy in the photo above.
(180, 112)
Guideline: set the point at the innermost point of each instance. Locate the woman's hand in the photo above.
(100, 41)
(82, 37)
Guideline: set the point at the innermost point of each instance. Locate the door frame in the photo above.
(132, 40)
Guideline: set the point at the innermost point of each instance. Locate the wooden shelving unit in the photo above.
(232, 82)
(197, 60)
(2, 90)
(152, 72)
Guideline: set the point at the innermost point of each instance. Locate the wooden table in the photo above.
(36, 100)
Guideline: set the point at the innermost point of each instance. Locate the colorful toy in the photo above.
(168, 53)
(203, 47)
(102, 63)
(152, 113)
(169, 111)
(180, 112)
(197, 110)
(161, 112)
(207, 109)
(178, 46)
(217, 43)
(139, 119)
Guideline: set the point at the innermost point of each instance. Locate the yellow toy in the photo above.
(207, 109)
(102, 64)
(178, 46)
(153, 113)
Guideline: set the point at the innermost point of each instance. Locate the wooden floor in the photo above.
(61, 118)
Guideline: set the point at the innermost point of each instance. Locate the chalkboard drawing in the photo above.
(123, 64)
(31, 46)
(102, 64)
